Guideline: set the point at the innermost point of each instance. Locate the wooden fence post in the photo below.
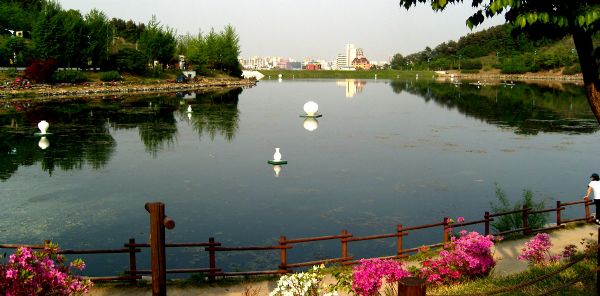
(158, 222)
(446, 229)
(588, 216)
(399, 240)
(525, 215)
(132, 263)
(411, 286)
(558, 218)
(486, 217)
(344, 241)
(283, 262)
(212, 259)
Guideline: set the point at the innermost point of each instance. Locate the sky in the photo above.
(317, 29)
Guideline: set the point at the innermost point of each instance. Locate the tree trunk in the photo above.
(589, 69)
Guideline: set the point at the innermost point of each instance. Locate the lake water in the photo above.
(384, 152)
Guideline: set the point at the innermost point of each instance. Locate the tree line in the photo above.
(507, 47)
(43, 34)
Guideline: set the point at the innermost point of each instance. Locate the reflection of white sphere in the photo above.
(189, 115)
(280, 80)
(311, 108)
(310, 124)
(43, 126)
(277, 170)
(44, 143)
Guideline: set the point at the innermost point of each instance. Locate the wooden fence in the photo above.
(285, 245)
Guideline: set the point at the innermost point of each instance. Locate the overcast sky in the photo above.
(302, 29)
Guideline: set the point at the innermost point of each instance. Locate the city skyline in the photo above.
(315, 29)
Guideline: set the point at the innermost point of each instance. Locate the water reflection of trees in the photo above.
(528, 109)
(83, 139)
(81, 128)
(216, 114)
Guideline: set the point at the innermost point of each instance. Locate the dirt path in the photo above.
(505, 254)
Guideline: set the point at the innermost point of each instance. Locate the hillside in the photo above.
(500, 47)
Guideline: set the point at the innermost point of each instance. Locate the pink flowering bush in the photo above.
(41, 273)
(468, 256)
(368, 275)
(537, 250)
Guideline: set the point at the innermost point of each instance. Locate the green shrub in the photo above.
(12, 72)
(515, 221)
(572, 70)
(110, 76)
(469, 71)
(471, 64)
(69, 76)
(513, 69)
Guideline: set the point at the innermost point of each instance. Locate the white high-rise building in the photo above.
(341, 61)
(350, 54)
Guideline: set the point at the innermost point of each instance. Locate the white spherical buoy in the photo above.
(310, 124)
(44, 143)
(311, 108)
(189, 109)
(280, 76)
(43, 126)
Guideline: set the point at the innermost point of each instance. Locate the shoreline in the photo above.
(120, 88)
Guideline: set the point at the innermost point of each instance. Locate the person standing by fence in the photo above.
(594, 186)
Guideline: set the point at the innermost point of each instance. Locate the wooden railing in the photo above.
(346, 239)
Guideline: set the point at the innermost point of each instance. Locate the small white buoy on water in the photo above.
(43, 143)
(277, 158)
(43, 126)
(280, 76)
(311, 109)
(189, 109)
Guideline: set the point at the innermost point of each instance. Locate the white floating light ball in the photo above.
(43, 143)
(280, 76)
(43, 126)
(310, 124)
(311, 108)
(189, 109)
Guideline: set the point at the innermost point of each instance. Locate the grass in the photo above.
(359, 74)
(582, 273)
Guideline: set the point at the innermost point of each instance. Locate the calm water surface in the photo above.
(385, 152)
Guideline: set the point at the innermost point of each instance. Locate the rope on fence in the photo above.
(521, 285)
(568, 284)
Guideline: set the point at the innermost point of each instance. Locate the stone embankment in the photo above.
(517, 77)
(114, 88)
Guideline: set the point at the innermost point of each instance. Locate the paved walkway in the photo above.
(505, 254)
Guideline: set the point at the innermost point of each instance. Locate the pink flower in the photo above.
(460, 219)
(368, 275)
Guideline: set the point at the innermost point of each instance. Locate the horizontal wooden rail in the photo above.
(470, 223)
(16, 246)
(505, 213)
(256, 248)
(175, 245)
(323, 261)
(314, 239)
(243, 273)
(423, 226)
(112, 278)
(573, 203)
(106, 251)
(181, 270)
(545, 211)
(377, 236)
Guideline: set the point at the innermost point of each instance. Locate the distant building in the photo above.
(360, 62)
(350, 54)
(313, 66)
(341, 61)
